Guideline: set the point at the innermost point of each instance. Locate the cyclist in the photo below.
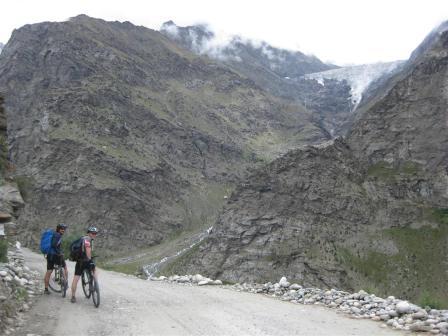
(56, 256)
(86, 261)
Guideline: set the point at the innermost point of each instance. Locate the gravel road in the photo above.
(131, 306)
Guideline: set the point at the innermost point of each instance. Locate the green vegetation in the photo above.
(439, 215)
(3, 143)
(25, 184)
(3, 250)
(138, 154)
(178, 264)
(417, 272)
(126, 268)
(202, 205)
(431, 300)
(3, 155)
(21, 294)
(386, 171)
(373, 266)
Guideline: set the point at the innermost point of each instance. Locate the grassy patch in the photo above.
(3, 142)
(419, 263)
(3, 250)
(127, 268)
(417, 272)
(439, 215)
(21, 294)
(139, 154)
(25, 184)
(373, 266)
(388, 172)
(180, 263)
(431, 300)
(3, 154)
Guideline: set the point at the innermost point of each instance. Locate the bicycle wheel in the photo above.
(85, 280)
(63, 282)
(54, 283)
(95, 292)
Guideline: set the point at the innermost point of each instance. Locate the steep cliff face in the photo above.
(366, 212)
(116, 125)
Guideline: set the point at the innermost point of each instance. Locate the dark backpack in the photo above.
(76, 250)
(45, 241)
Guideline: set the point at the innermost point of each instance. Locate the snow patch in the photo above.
(358, 77)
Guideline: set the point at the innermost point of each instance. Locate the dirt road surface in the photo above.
(135, 307)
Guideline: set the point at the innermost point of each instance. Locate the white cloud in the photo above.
(172, 30)
(344, 31)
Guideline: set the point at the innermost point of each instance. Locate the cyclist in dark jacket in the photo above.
(56, 255)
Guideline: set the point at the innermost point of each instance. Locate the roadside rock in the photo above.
(18, 285)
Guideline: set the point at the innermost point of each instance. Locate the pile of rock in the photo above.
(196, 279)
(18, 286)
(395, 313)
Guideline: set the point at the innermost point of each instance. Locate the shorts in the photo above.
(81, 266)
(53, 259)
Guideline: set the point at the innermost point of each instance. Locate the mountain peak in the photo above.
(429, 41)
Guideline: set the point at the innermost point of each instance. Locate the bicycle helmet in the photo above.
(61, 226)
(92, 229)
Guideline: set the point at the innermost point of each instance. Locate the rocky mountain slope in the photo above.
(279, 71)
(115, 125)
(1, 47)
(366, 212)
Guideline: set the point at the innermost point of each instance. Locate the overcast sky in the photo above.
(338, 31)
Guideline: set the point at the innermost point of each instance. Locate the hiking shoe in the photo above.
(46, 291)
(73, 299)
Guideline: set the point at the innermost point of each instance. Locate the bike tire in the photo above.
(95, 292)
(63, 283)
(85, 281)
(54, 283)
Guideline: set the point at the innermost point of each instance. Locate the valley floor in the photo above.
(131, 306)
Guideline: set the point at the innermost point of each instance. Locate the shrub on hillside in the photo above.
(3, 250)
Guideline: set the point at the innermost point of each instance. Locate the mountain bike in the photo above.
(90, 286)
(58, 282)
